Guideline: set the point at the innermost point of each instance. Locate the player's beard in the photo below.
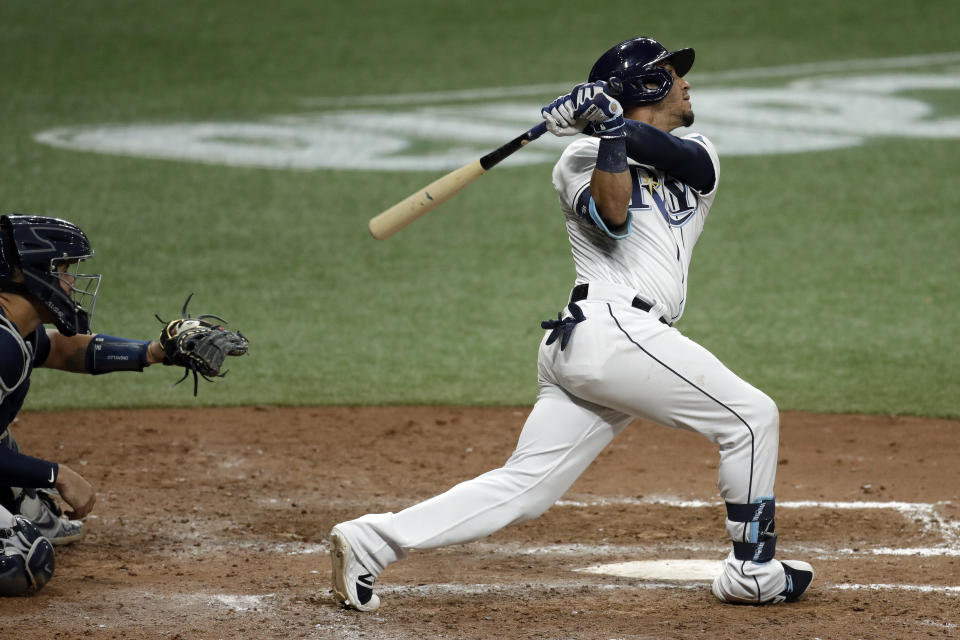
(687, 117)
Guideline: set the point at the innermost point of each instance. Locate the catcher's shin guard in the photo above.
(27, 559)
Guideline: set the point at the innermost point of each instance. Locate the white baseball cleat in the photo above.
(751, 585)
(352, 583)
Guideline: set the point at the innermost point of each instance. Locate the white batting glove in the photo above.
(601, 113)
(593, 104)
(559, 118)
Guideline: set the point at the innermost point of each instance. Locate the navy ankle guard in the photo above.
(762, 544)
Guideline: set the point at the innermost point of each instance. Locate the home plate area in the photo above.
(679, 570)
(925, 517)
(213, 523)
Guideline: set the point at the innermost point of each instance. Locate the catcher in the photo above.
(40, 284)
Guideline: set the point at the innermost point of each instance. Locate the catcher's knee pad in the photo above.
(27, 559)
(751, 528)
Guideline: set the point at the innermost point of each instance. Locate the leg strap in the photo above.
(755, 512)
(762, 551)
(760, 544)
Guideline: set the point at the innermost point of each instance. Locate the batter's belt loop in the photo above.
(582, 292)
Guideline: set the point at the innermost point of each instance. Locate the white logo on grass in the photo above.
(814, 113)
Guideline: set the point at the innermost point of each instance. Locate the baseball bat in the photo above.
(391, 220)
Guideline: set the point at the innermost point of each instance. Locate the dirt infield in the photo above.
(212, 524)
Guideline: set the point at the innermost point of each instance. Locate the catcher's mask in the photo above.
(634, 63)
(32, 253)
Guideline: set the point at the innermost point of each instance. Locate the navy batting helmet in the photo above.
(634, 63)
(32, 247)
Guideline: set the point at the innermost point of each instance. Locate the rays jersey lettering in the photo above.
(667, 217)
(674, 200)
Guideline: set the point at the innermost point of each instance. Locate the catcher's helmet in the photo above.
(634, 63)
(33, 246)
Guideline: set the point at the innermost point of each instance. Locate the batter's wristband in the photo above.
(107, 353)
(612, 155)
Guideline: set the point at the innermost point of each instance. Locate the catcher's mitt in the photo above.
(199, 346)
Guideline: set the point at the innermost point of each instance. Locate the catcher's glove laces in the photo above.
(199, 346)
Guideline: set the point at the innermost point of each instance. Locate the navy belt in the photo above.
(581, 290)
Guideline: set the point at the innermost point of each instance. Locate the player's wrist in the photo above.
(612, 155)
(155, 353)
(109, 353)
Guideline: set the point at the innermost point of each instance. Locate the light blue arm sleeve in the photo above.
(594, 217)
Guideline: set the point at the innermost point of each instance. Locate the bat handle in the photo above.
(613, 85)
(536, 132)
(494, 157)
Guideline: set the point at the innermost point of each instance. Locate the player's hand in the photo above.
(75, 491)
(558, 115)
(601, 113)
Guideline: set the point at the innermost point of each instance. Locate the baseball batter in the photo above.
(635, 199)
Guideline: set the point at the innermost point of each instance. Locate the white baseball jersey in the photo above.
(667, 218)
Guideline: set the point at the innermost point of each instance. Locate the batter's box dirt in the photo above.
(213, 523)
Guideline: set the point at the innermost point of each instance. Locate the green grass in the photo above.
(826, 279)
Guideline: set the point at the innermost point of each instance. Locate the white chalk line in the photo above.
(537, 589)
(920, 588)
(574, 549)
(239, 602)
(788, 70)
(207, 537)
(924, 514)
(786, 504)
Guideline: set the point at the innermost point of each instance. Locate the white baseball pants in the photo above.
(621, 363)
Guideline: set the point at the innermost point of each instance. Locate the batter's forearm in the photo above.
(611, 196)
(610, 184)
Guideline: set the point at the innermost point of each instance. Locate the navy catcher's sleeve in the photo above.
(681, 158)
(18, 470)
